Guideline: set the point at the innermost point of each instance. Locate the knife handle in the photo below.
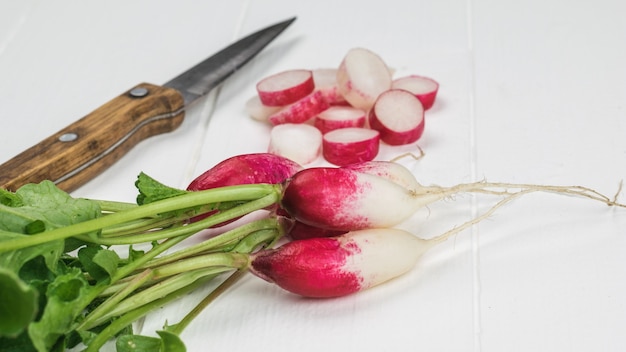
(82, 150)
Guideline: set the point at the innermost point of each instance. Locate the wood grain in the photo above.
(102, 138)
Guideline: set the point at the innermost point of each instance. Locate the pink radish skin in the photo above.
(362, 76)
(399, 117)
(285, 87)
(339, 266)
(301, 143)
(336, 117)
(391, 171)
(246, 169)
(344, 199)
(350, 145)
(302, 231)
(243, 170)
(258, 111)
(424, 88)
(326, 82)
(300, 111)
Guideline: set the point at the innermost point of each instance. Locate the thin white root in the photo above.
(505, 189)
(408, 154)
(443, 237)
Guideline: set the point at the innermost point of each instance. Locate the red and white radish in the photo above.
(326, 82)
(350, 145)
(258, 111)
(338, 266)
(344, 199)
(285, 87)
(301, 143)
(301, 110)
(399, 117)
(336, 117)
(424, 88)
(362, 76)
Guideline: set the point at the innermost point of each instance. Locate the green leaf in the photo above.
(168, 342)
(67, 297)
(98, 262)
(35, 207)
(14, 260)
(18, 304)
(151, 190)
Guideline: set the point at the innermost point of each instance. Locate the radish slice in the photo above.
(300, 111)
(326, 82)
(258, 111)
(399, 117)
(350, 145)
(336, 117)
(285, 87)
(361, 77)
(298, 142)
(424, 88)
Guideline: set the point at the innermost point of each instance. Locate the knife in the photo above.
(85, 148)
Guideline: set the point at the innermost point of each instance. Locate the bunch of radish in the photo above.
(342, 113)
(342, 219)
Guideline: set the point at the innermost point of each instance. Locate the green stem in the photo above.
(211, 221)
(154, 293)
(212, 296)
(112, 301)
(188, 200)
(113, 206)
(118, 324)
(228, 260)
(217, 241)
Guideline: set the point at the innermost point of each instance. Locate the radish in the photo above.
(361, 77)
(336, 117)
(326, 82)
(285, 87)
(243, 170)
(333, 267)
(346, 200)
(301, 110)
(399, 117)
(246, 169)
(350, 145)
(424, 88)
(299, 142)
(258, 111)
(301, 231)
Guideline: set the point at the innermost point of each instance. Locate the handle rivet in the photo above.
(138, 92)
(68, 137)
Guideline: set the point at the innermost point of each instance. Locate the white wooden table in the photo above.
(531, 91)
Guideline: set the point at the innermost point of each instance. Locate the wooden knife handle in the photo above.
(82, 150)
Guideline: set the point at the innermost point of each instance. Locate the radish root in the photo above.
(505, 189)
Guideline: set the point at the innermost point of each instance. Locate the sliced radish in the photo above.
(361, 77)
(326, 82)
(258, 111)
(301, 143)
(399, 117)
(350, 145)
(300, 111)
(424, 88)
(285, 87)
(336, 117)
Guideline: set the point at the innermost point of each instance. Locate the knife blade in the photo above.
(87, 147)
